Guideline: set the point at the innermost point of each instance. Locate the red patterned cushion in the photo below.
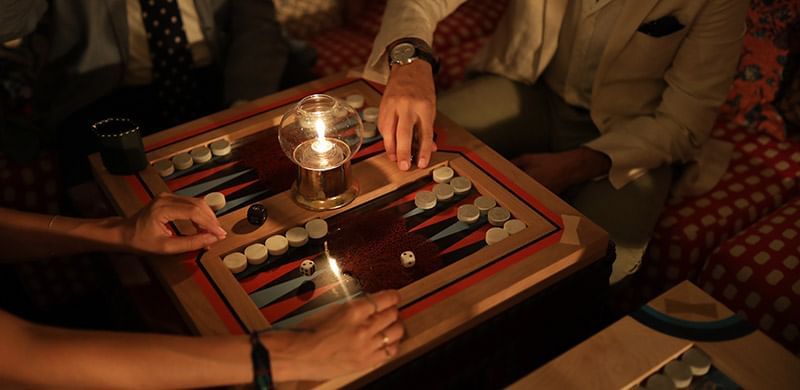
(30, 186)
(762, 175)
(454, 62)
(759, 76)
(340, 49)
(456, 40)
(757, 273)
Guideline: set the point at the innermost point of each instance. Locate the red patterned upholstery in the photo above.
(757, 272)
(30, 186)
(763, 174)
(456, 40)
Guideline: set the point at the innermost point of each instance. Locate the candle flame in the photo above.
(321, 145)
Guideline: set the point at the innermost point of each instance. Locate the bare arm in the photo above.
(27, 235)
(337, 342)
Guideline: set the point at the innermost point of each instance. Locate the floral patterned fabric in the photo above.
(760, 72)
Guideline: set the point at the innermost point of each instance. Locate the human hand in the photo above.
(409, 101)
(147, 231)
(559, 171)
(347, 338)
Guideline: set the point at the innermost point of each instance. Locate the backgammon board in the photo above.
(458, 279)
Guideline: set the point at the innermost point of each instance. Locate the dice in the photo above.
(307, 267)
(408, 259)
(257, 214)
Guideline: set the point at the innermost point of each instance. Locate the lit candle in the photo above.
(321, 145)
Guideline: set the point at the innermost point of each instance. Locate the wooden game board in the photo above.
(623, 355)
(470, 282)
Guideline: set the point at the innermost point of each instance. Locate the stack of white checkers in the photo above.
(276, 245)
(199, 155)
(448, 185)
(678, 374)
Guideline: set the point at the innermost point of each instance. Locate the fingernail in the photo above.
(423, 162)
(404, 165)
(221, 232)
(392, 157)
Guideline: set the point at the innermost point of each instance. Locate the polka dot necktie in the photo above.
(172, 60)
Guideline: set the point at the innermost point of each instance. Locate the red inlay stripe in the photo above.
(479, 276)
(476, 236)
(191, 265)
(273, 313)
(191, 132)
(370, 150)
(230, 190)
(183, 181)
(261, 279)
(409, 197)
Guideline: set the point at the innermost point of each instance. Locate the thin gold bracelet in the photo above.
(52, 220)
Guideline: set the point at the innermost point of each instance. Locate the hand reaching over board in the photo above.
(149, 231)
(347, 338)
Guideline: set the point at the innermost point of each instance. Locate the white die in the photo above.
(307, 267)
(408, 259)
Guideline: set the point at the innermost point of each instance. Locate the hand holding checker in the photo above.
(148, 230)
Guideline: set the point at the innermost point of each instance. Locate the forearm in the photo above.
(90, 359)
(27, 235)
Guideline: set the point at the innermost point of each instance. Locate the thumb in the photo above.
(181, 244)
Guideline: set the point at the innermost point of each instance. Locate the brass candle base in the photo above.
(324, 190)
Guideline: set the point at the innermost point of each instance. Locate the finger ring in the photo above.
(385, 339)
(374, 305)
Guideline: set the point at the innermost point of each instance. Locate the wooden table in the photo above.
(473, 286)
(623, 355)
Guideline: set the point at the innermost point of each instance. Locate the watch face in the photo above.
(403, 52)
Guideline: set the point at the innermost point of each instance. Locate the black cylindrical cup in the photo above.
(121, 145)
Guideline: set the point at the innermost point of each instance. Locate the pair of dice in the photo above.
(407, 258)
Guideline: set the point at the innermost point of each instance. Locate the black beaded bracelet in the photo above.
(262, 372)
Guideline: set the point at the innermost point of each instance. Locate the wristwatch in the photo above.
(406, 51)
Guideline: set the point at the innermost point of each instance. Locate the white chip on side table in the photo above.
(514, 226)
(443, 192)
(317, 228)
(468, 213)
(485, 203)
(355, 100)
(370, 114)
(495, 235)
(220, 148)
(256, 254)
(370, 130)
(659, 382)
(182, 161)
(297, 236)
(425, 200)
(200, 154)
(679, 372)
(697, 360)
(443, 174)
(461, 185)
(215, 200)
(164, 167)
(498, 216)
(236, 262)
(277, 245)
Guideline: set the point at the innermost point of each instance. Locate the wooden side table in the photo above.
(632, 349)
